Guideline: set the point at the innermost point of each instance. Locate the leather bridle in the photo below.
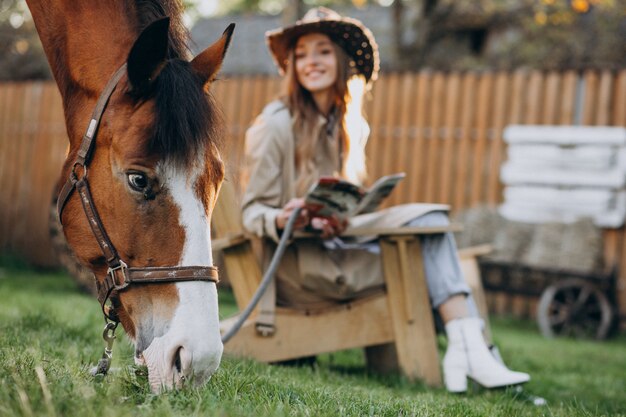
(119, 275)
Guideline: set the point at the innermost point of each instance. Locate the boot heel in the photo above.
(455, 380)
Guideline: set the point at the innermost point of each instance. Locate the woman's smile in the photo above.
(316, 63)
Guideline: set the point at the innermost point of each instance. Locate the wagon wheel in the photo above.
(82, 275)
(574, 307)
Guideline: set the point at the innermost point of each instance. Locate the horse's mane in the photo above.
(185, 114)
(150, 10)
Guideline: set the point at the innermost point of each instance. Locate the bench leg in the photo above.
(471, 273)
(410, 309)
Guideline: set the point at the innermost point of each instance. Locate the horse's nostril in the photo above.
(177, 362)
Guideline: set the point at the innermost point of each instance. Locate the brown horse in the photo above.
(153, 170)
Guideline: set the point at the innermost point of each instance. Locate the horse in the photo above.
(143, 172)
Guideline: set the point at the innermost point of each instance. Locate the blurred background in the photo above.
(468, 94)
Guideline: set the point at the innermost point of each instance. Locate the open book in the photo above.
(344, 199)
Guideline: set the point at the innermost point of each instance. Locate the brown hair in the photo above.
(307, 131)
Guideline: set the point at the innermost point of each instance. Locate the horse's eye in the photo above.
(137, 181)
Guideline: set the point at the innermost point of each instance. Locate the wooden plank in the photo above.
(39, 240)
(518, 98)
(450, 123)
(16, 150)
(484, 112)
(496, 150)
(471, 274)
(391, 119)
(298, 335)
(568, 98)
(552, 104)
(533, 105)
(618, 118)
(418, 154)
(590, 97)
(605, 99)
(6, 94)
(244, 272)
(433, 137)
(461, 185)
(404, 159)
(377, 139)
(410, 311)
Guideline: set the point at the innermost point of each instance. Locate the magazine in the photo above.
(335, 196)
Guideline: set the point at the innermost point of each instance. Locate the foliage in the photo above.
(50, 334)
(506, 34)
(21, 54)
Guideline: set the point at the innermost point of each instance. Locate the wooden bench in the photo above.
(395, 326)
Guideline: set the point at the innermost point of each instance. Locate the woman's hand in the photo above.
(329, 227)
(283, 216)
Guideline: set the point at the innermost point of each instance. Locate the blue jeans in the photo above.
(441, 263)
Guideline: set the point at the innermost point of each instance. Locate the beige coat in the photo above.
(309, 274)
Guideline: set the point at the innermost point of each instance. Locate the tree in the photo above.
(21, 53)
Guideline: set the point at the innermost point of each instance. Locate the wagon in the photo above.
(571, 303)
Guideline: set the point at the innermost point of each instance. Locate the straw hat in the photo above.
(350, 34)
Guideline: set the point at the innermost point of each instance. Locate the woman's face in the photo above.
(315, 62)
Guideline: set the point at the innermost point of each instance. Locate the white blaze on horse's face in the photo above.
(191, 345)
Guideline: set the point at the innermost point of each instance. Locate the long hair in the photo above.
(348, 91)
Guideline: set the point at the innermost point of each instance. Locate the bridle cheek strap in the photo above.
(119, 275)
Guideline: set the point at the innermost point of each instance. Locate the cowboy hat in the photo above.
(350, 34)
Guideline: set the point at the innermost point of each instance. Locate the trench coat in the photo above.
(309, 274)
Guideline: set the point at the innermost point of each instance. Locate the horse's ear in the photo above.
(147, 56)
(208, 62)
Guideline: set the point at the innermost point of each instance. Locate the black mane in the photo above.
(185, 114)
(150, 10)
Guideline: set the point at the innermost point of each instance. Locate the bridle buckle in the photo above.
(113, 273)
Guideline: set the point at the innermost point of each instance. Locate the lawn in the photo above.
(50, 335)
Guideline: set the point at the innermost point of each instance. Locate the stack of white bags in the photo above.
(565, 173)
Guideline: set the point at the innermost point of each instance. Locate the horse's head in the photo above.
(154, 175)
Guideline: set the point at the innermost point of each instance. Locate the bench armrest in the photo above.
(388, 231)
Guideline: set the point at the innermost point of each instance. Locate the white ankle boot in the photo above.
(468, 356)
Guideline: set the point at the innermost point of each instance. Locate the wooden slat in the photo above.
(418, 153)
(6, 102)
(590, 95)
(404, 158)
(375, 149)
(496, 151)
(391, 118)
(16, 150)
(433, 136)
(604, 103)
(568, 98)
(618, 117)
(450, 123)
(461, 185)
(533, 105)
(551, 103)
(483, 117)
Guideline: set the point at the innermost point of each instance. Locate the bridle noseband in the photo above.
(119, 275)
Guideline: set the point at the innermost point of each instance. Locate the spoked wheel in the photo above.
(576, 308)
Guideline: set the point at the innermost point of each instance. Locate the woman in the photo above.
(316, 129)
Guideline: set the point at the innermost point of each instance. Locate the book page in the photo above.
(333, 196)
(377, 193)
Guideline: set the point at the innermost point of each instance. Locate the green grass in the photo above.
(50, 335)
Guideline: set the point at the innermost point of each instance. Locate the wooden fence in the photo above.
(443, 129)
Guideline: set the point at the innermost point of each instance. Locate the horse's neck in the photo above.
(85, 41)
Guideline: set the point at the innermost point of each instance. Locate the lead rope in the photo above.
(267, 278)
(104, 364)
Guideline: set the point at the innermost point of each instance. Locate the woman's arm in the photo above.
(262, 197)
